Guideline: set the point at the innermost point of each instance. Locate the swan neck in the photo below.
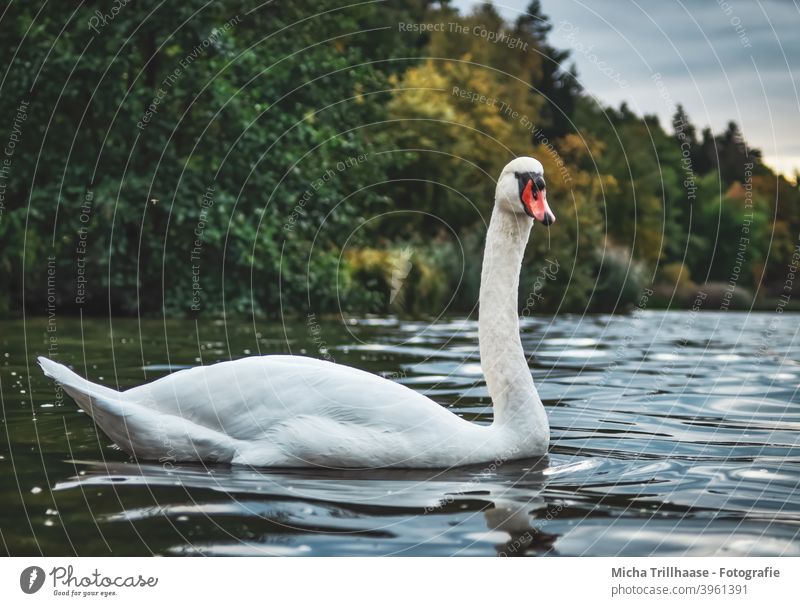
(516, 402)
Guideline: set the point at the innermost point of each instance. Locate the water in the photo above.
(674, 433)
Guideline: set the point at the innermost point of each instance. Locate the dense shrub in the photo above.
(201, 157)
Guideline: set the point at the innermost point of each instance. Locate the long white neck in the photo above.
(517, 405)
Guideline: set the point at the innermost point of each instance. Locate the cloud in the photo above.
(723, 60)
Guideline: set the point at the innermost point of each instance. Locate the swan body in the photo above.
(281, 411)
(294, 411)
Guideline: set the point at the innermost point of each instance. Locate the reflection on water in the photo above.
(672, 435)
(496, 501)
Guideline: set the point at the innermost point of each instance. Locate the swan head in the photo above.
(521, 189)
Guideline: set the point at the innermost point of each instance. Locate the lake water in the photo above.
(674, 433)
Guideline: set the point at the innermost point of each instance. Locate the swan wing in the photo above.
(248, 398)
(277, 411)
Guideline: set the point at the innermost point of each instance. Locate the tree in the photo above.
(556, 83)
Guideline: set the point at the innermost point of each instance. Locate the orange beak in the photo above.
(535, 204)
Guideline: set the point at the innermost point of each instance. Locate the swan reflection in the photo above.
(507, 497)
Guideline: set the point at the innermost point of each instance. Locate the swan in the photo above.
(294, 411)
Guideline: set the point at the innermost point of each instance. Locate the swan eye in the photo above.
(532, 180)
(533, 196)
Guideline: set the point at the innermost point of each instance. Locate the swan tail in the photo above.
(139, 430)
(84, 392)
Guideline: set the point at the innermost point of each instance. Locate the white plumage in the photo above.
(295, 411)
(276, 411)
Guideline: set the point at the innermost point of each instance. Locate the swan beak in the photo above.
(534, 201)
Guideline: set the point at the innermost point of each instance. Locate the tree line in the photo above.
(207, 158)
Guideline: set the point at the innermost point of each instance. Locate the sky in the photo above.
(721, 59)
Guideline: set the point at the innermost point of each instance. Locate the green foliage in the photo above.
(196, 132)
(196, 157)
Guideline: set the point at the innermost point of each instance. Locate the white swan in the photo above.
(292, 411)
